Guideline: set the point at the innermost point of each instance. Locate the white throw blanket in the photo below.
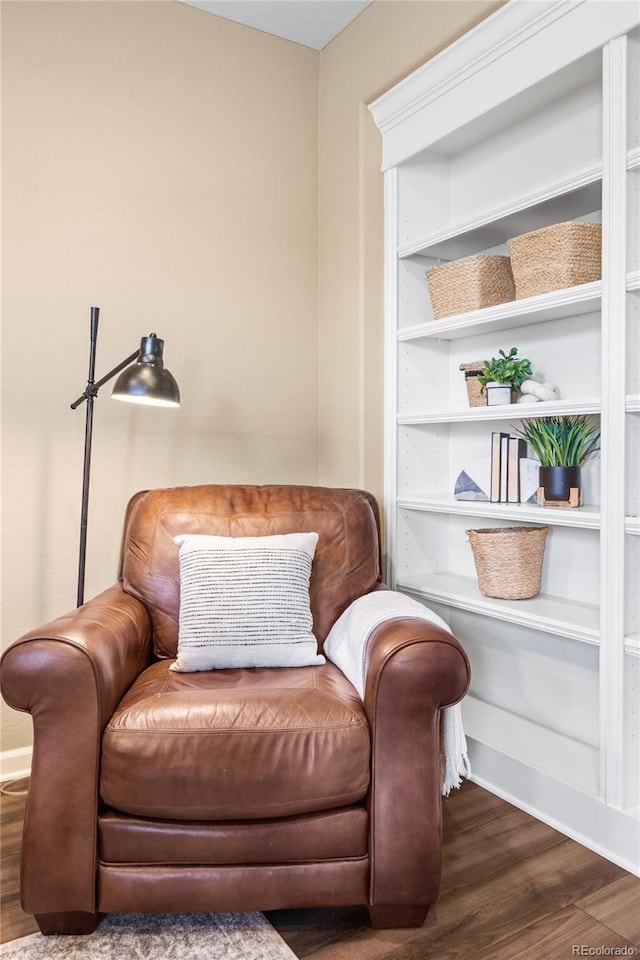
(346, 646)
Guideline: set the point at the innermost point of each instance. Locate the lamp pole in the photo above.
(89, 395)
(159, 388)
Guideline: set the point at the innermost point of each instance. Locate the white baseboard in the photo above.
(15, 764)
(613, 834)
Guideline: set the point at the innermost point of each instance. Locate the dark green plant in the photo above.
(561, 441)
(506, 368)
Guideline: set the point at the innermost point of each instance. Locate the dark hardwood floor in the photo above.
(512, 889)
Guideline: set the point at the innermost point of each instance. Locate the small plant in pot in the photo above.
(562, 445)
(503, 375)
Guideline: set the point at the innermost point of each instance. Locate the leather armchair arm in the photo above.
(69, 675)
(412, 669)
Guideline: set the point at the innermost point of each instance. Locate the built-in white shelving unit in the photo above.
(530, 119)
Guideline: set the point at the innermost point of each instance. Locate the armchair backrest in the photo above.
(346, 563)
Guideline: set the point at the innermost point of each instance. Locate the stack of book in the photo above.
(514, 476)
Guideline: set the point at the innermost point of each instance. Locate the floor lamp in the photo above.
(145, 381)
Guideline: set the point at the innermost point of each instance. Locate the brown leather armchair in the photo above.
(231, 790)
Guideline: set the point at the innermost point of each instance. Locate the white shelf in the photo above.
(633, 158)
(566, 759)
(508, 411)
(632, 644)
(632, 403)
(560, 200)
(633, 280)
(565, 618)
(586, 517)
(557, 305)
(632, 526)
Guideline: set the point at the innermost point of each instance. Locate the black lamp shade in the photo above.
(147, 380)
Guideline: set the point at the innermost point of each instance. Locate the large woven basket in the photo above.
(562, 255)
(469, 284)
(508, 560)
(474, 392)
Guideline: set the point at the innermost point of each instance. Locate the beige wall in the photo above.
(169, 166)
(389, 40)
(159, 163)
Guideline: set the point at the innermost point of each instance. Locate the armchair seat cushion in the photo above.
(236, 744)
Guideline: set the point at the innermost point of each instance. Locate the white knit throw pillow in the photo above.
(244, 602)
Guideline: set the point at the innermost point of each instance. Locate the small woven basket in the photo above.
(508, 560)
(469, 284)
(471, 370)
(563, 255)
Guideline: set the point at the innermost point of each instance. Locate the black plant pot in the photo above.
(557, 482)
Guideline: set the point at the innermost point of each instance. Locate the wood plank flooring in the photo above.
(512, 889)
(13, 922)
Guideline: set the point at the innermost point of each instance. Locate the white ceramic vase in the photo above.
(498, 394)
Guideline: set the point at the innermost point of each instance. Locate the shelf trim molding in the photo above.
(460, 62)
(466, 79)
(632, 645)
(513, 411)
(633, 280)
(475, 602)
(571, 301)
(585, 518)
(632, 526)
(578, 180)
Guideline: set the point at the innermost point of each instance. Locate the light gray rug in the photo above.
(181, 936)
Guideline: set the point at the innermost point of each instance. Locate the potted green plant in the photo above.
(562, 445)
(503, 375)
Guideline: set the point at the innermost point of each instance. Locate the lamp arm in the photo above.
(92, 388)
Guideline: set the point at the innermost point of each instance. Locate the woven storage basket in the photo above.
(474, 394)
(508, 560)
(469, 284)
(563, 255)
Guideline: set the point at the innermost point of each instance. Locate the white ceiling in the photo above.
(310, 22)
